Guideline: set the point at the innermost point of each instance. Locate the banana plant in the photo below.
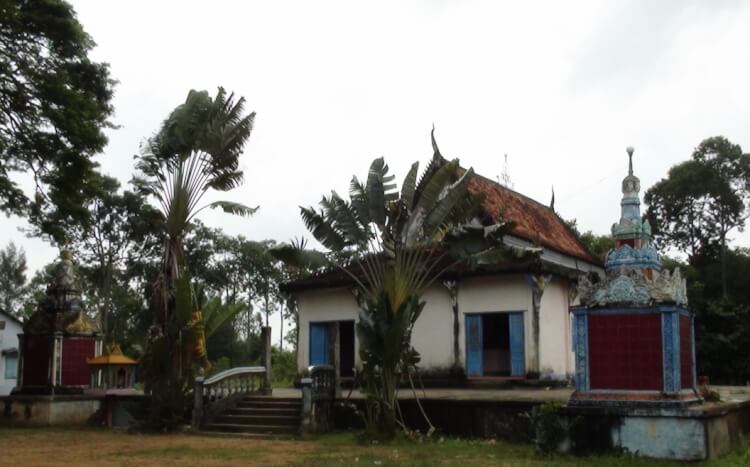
(195, 151)
(395, 245)
(204, 323)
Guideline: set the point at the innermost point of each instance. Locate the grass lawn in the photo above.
(73, 448)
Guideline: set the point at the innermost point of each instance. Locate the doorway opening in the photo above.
(346, 349)
(325, 338)
(495, 344)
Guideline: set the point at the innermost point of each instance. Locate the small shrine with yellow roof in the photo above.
(112, 370)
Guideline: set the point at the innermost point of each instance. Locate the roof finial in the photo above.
(630, 151)
(552, 201)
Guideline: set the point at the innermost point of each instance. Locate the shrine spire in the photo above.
(630, 151)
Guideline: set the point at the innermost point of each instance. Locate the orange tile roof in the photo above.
(534, 221)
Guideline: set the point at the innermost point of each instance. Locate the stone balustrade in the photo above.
(216, 394)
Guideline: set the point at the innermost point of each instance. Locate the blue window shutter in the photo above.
(319, 344)
(474, 361)
(517, 365)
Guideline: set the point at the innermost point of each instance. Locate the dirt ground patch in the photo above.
(99, 447)
(83, 448)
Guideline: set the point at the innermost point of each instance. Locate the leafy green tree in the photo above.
(122, 228)
(237, 269)
(701, 201)
(36, 288)
(196, 150)
(264, 275)
(54, 104)
(597, 245)
(209, 254)
(722, 325)
(398, 244)
(12, 278)
(694, 210)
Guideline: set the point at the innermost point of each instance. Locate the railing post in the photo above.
(307, 418)
(265, 334)
(197, 402)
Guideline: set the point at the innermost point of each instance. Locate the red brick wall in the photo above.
(37, 352)
(75, 354)
(625, 352)
(686, 353)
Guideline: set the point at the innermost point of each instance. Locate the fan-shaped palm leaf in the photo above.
(409, 186)
(215, 314)
(322, 229)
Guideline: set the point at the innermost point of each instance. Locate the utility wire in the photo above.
(570, 195)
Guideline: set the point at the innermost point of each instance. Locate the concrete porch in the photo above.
(696, 432)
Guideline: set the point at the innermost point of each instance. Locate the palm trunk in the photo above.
(388, 404)
(724, 292)
(265, 307)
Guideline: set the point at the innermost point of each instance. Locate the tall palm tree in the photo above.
(395, 246)
(195, 151)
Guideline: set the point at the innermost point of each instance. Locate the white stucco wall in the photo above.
(432, 336)
(433, 331)
(556, 356)
(323, 305)
(8, 340)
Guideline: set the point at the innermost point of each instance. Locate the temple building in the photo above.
(632, 332)
(508, 320)
(58, 339)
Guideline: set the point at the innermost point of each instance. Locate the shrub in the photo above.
(550, 427)
(283, 368)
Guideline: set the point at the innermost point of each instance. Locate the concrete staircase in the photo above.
(261, 416)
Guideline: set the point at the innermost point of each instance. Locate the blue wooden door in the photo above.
(474, 360)
(319, 354)
(515, 325)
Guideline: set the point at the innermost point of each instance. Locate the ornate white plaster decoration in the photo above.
(452, 287)
(632, 287)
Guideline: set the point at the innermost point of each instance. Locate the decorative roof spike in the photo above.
(630, 151)
(552, 201)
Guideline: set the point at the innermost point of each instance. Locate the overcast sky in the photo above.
(560, 87)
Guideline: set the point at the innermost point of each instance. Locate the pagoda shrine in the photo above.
(58, 339)
(112, 369)
(633, 332)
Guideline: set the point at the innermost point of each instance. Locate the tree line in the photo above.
(115, 264)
